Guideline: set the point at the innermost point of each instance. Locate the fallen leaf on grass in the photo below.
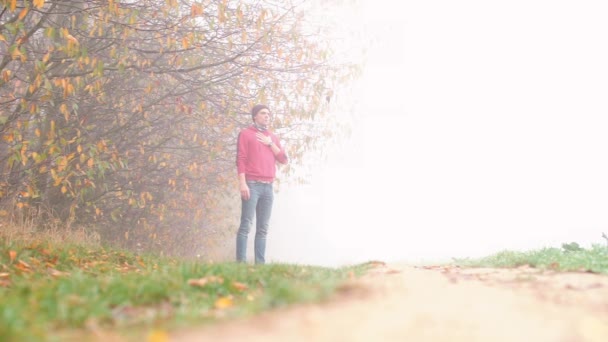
(12, 255)
(205, 280)
(56, 273)
(239, 286)
(23, 266)
(4, 275)
(35, 261)
(223, 302)
(5, 283)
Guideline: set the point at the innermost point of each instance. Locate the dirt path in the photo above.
(400, 303)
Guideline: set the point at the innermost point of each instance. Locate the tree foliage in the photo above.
(124, 114)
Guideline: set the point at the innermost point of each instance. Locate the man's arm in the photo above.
(274, 144)
(245, 194)
(241, 158)
(279, 153)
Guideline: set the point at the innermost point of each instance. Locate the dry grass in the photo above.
(31, 230)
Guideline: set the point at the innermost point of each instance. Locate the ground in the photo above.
(447, 303)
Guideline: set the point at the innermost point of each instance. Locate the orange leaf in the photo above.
(239, 286)
(12, 255)
(205, 280)
(23, 266)
(196, 10)
(6, 74)
(23, 13)
(38, 3)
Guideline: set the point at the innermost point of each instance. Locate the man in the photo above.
(258, 150)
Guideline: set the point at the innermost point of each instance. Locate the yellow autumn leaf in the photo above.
(52, 130)
(39, 3)
(64, 109)
(224, 302)
(15, 54)
(62, 163)
(71, 39)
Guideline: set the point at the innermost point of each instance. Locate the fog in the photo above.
(479, 126)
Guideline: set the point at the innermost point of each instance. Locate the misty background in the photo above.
(476, 127)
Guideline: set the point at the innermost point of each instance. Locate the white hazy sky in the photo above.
(483, 126)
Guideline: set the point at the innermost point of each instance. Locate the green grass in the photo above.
(568, 258)
(50, 291)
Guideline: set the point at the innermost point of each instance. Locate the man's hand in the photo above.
(245, 194)
(266, 140)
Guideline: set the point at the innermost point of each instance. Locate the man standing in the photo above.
(257, 152)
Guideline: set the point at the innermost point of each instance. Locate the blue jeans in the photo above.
(259, 205)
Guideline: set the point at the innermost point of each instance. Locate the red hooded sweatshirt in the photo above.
(256, 160)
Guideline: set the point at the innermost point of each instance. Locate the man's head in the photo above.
(260, 115)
